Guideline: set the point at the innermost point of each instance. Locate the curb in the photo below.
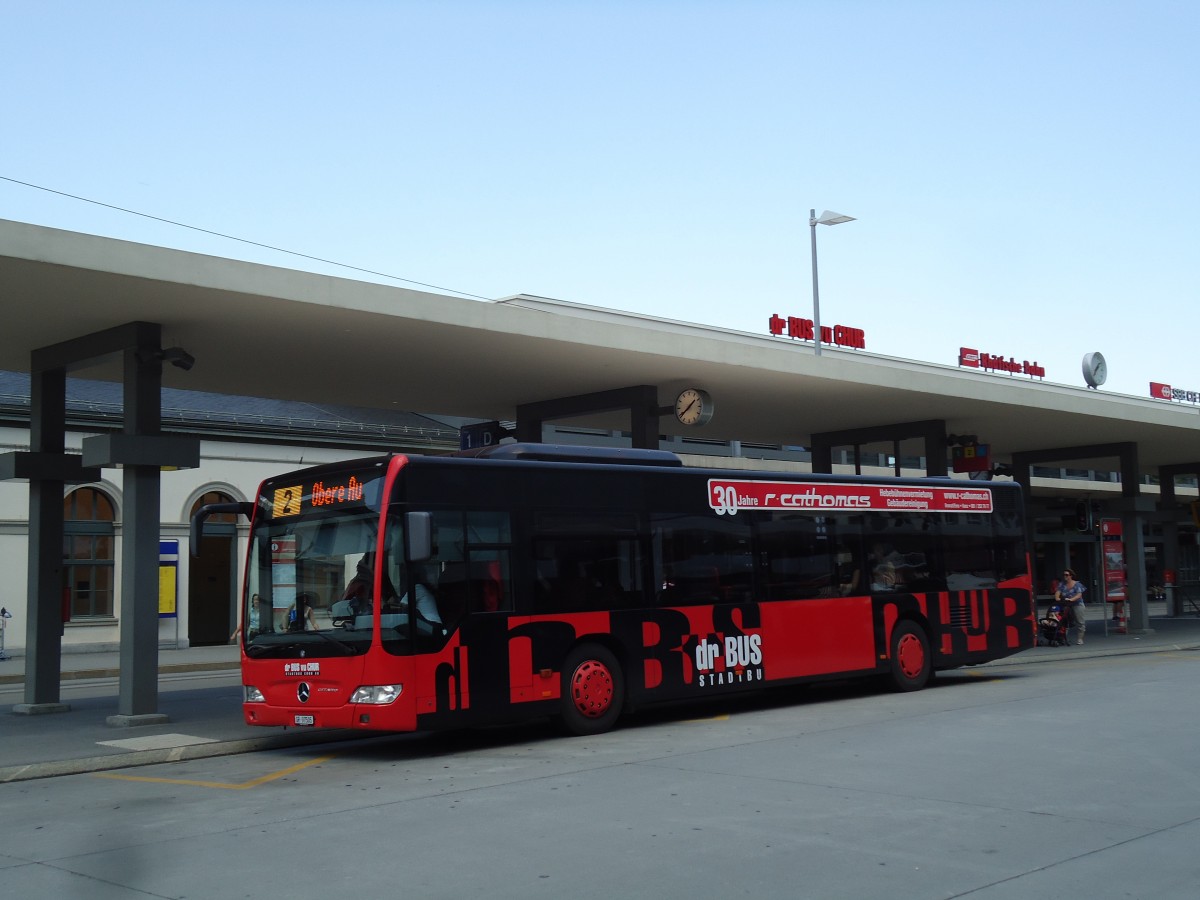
(1054, 654)
(112, 672)
(33, 771)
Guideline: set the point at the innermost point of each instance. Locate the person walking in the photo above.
(1070, 595)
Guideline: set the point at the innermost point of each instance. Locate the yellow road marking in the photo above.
(246, 785)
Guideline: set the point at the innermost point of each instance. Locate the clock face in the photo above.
(1095, 369)
(693, 407)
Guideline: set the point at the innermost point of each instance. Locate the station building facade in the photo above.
(245, 440)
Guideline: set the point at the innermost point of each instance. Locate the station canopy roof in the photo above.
(274, 332)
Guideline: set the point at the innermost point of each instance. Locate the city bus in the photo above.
(408, 592)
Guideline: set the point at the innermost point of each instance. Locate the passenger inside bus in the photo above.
(898, 570)
(884, 575)
(848, 575)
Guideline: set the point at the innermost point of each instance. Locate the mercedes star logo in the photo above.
(303, 691)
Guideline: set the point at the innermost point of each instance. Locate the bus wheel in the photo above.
(593, 690)
(912, 664)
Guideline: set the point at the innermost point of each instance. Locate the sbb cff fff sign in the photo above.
(1160, 391)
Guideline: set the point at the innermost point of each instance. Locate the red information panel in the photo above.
(728, 496)
(1112, 538)
(972, 458)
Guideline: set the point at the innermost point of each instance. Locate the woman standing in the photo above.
(300, 614)
(1070, 594)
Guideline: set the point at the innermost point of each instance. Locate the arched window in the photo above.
(88, 554)
(215, 518)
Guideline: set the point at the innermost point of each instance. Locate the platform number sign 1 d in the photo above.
(481, 434)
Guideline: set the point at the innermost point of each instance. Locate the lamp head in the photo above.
(830, 218)
(176, 356)
(179, 358)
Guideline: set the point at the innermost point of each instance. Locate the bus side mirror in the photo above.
(418, 536)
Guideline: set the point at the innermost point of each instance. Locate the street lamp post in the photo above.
(827, 218)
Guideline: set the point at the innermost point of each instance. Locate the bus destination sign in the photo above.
(321, 494)
(727, 497)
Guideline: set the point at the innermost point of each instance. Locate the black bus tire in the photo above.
(593, 690)
(911, 661)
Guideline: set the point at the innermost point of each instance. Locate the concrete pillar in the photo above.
(44, 624)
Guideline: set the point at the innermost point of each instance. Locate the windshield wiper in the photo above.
(349, 649)
(259, 650)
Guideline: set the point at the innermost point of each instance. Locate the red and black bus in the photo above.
(410, 592)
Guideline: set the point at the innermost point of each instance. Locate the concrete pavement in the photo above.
(200, 693)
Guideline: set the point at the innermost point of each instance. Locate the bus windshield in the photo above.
(310, 584)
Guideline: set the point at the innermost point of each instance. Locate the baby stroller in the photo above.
(1052, 627)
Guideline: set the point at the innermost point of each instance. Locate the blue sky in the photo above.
(1023, 174)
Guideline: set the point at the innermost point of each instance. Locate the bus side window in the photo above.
(488, 593)
(479, 586)
(797, 560)
(908, 545)
(472, 551)
(697, 560)
(692, 583)
(586, 562)
(969, 564)
(573, 575)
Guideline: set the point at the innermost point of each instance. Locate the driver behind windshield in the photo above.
(358, 589)
(425, 583)
(358, 595)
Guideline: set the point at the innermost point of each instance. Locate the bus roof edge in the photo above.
(574, 453)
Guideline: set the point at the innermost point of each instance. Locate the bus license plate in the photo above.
(304, 720)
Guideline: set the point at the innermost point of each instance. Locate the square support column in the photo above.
(44, 622)
(137, 702)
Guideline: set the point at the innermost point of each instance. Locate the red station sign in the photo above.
(1160, 391)
(805, 330)
(973, 359)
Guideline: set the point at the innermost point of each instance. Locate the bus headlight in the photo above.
(377, 694)
(251, 694)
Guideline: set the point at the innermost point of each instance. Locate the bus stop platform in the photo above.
(200, 695)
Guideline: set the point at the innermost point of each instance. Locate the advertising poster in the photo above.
(1112, 545)
(168, 579)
